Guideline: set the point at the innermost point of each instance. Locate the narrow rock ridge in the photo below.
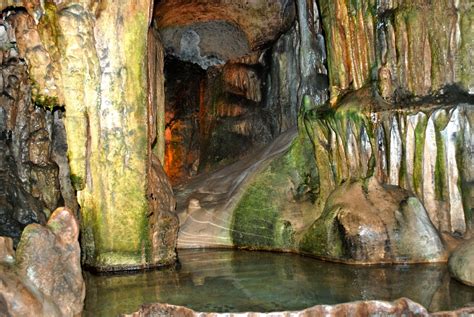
(399, 307)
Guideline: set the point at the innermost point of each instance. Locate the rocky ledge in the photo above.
(399, 307)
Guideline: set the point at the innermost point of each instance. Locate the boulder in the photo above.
(45, 278)
(461, 263)
(367, 222)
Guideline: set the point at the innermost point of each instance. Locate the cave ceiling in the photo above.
(212, 32)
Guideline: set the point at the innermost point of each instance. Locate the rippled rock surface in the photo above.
(407, 48)
(425, 149)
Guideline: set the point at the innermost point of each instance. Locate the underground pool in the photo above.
(240, 281)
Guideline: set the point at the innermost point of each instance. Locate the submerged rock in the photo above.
(45, 278)
(366, 222)
(461, 263)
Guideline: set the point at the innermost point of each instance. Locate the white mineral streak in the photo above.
(429, 166)
(366, 150)
(410, 146)
(395, 152)
(381, 153)
(352, 150)
(451, 135)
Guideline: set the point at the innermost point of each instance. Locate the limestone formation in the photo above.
(461, 263)
(371, 223)
(90, 59)
(427, 151)
(400, 307)
(44, 278)
(412, 48)
(338, 147)
(210, 33)
(206, 205)
(31, 181)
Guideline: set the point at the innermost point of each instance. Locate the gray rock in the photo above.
(374, 223)
(461, 263)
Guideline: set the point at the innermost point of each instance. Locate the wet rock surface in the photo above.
(367, 39)
(425, 149)
(206, 205)
(461, 263)
(400, 307)
(45, 279)
(366, 222)
(28, 141)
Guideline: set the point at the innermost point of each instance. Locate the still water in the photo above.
(233, 281)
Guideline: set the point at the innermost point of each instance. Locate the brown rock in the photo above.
(48, 257)
(38, 147)
(242, 80)
(163, 223)
(45, 185)
(17, 300)
(30, 46)
(212, 32)
(400, 307)
(7, 255)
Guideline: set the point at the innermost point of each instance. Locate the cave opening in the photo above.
(222, 84)
(213, 116)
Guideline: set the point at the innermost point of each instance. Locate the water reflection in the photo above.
(255, 281)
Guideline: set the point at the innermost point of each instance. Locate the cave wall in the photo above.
(405, 48)
(92, 58)
(381, 173)
(35, 171)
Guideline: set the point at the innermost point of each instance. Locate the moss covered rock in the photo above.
(366, 222)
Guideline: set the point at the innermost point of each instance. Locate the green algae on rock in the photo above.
(91, 59)
(461, 263)
(366, 222)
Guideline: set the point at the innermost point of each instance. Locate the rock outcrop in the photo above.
(461, 263)
(89, 58)
(33, 166)
(336, 148)
(407, 48)
(399, 307)
(366, 222)
(44, 278)
(427, 150)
